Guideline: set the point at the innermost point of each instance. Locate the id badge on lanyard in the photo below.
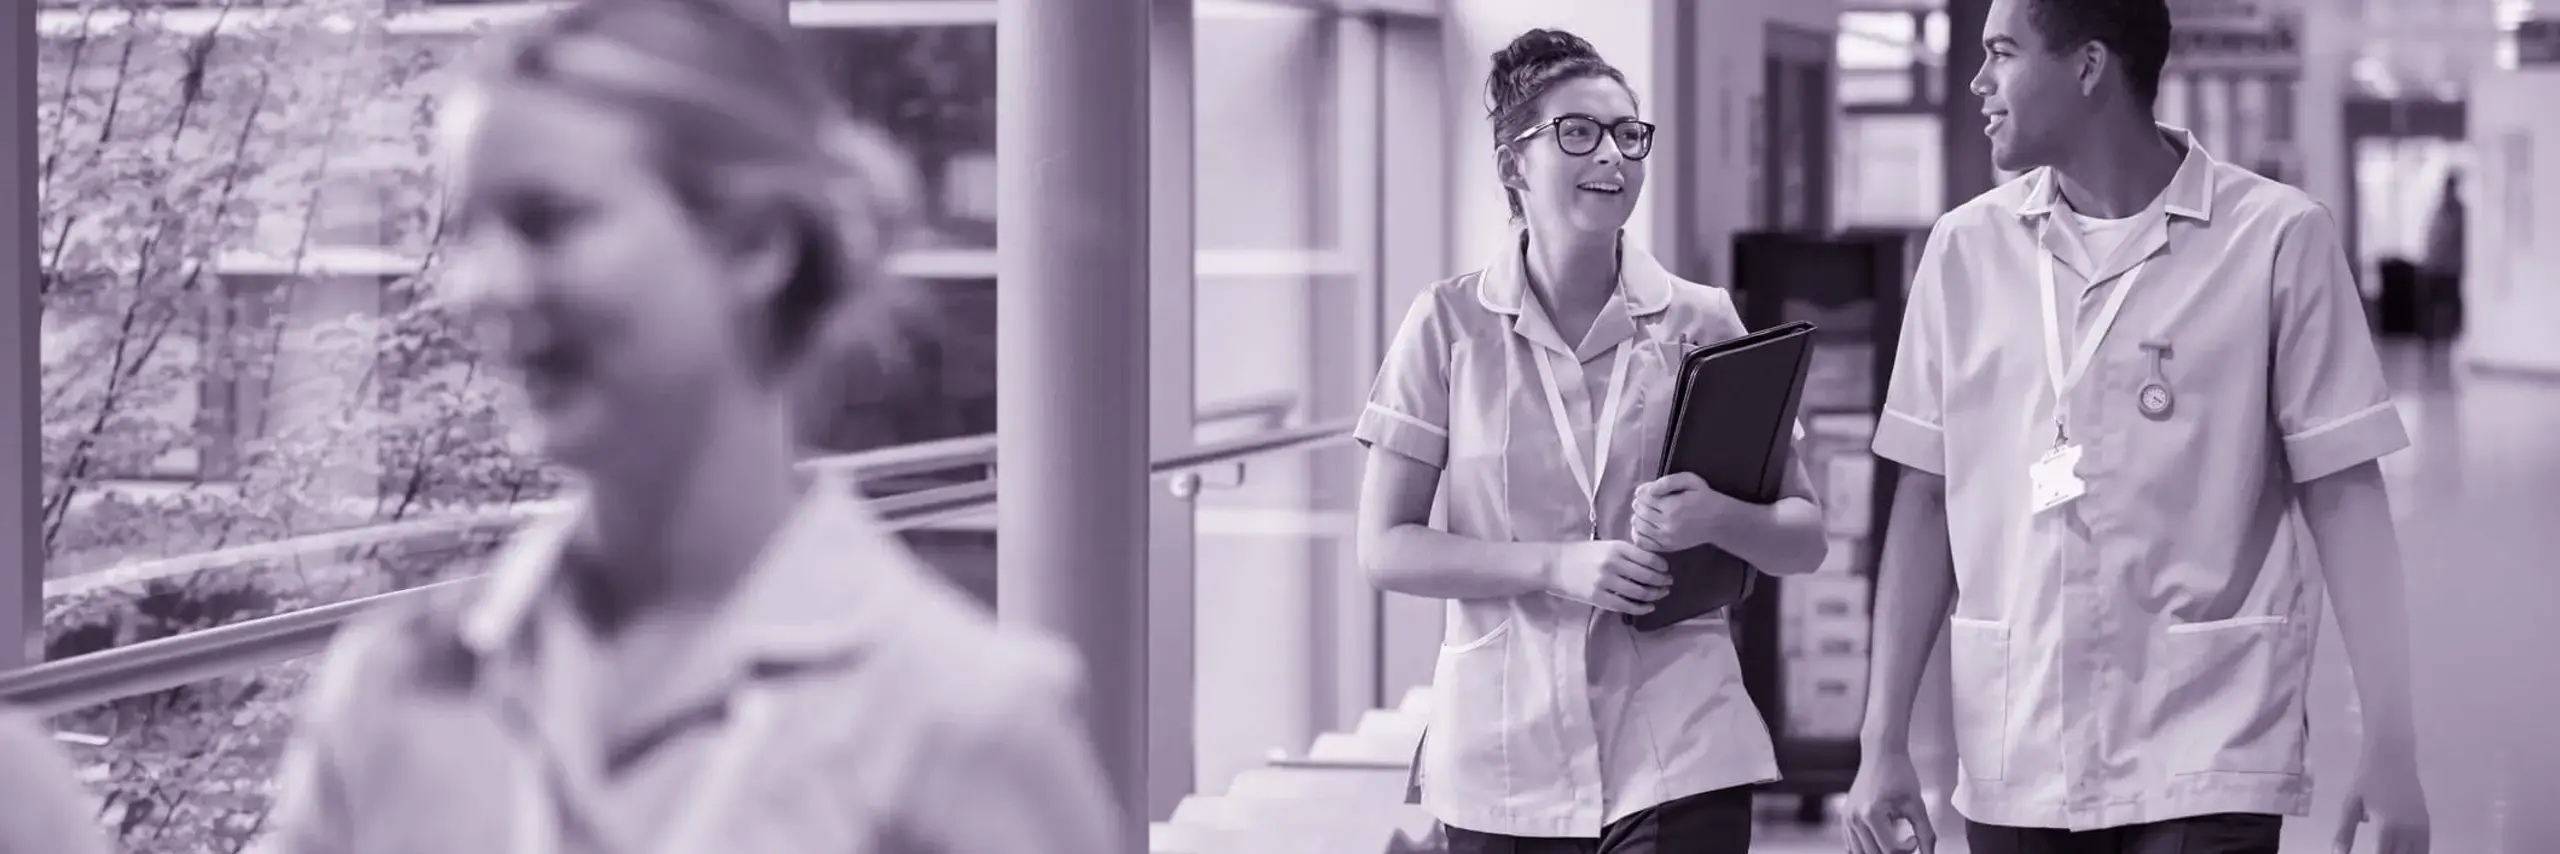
(2054, 479)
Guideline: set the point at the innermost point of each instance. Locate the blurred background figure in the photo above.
(2440, 271)
(675, 243)
(42, 809)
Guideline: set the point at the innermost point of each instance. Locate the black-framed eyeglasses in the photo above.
(1579, 135)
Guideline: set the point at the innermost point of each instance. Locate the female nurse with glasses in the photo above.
(1531, 397)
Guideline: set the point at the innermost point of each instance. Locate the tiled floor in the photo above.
(2479, 501)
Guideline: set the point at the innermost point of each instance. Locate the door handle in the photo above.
(1188, 485)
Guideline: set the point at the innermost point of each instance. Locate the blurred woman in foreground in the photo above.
(678, 239)
(42, 809)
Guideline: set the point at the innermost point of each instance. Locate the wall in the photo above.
(2511, 296)
(1728, 40)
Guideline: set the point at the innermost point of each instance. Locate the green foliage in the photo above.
(269, 402)
(192, 400)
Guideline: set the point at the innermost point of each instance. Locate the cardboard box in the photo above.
(1824, 595)
(1826, 637)
(1826, 696)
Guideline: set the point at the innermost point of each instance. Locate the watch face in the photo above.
(2155, 400)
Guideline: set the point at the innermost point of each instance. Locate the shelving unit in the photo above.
(1803, 640)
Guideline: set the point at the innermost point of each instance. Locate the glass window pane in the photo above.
(1877, 87)
(933, 88)
(245, 334)
(1266, 190)
(1264, 130)
(1890, 171)
(1276, 300)
(1877, 40)
(191, 769)
(242, 341)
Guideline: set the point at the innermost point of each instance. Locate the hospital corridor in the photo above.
(1237, 426)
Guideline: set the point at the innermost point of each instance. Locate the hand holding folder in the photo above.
(1732, 424)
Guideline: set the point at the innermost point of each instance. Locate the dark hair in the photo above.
(1524, 70)
(2136, 31)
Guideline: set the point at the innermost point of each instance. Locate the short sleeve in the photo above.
(1912, 429)
(2331, 402)
(1408, 410)
(1016, 771)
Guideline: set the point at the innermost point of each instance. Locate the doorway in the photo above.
(2401, 154)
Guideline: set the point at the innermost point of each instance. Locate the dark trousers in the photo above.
(2228, 833)
(1717, 822)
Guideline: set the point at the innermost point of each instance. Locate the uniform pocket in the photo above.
(1465, 759)
(2232, 701)
(1500, 630)
(1978, 662)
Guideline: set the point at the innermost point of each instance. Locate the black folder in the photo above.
(1733, 418)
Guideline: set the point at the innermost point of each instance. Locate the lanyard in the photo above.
(1604, 421)
(2066, 375)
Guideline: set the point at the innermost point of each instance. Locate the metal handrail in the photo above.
(114, 674)
(1312, 764)
(878, 463)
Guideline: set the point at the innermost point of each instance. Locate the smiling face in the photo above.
(1594, 192)
(616, 309)
(2035, 95)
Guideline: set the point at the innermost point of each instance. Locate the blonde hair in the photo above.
(740, 129)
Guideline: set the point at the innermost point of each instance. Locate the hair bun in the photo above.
(1541, 47)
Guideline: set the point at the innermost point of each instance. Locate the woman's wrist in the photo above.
(1544, 563)
(1736, 520)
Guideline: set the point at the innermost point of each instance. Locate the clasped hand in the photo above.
(1679, 512)
(1673, 514)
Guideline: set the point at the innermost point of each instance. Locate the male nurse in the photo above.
(2139, 413)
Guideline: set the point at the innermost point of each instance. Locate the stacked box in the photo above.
(1824, 632)
(1823, 622)
(1826, 697)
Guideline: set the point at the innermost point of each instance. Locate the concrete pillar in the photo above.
(1172, 644)
(21, 374)
(1967, 168)
(1414, 239)
(1072, 389)
(1346, 362)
